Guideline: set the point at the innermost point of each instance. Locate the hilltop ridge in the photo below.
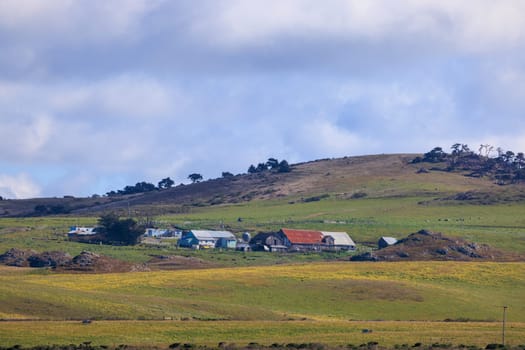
(372, 176)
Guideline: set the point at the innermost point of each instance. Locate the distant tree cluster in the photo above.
(272, 164)
(141, 187)
(503, 166)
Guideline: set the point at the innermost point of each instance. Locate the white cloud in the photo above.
(321, 137)
(462, 25)
(18, 186)
(25, 138)
(128, 96)
(75, 21)
(109, 123)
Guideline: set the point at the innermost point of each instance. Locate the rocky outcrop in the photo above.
(17, 257)
(427, 245)
(61, 261)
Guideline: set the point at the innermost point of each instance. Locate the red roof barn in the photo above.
(303, 236)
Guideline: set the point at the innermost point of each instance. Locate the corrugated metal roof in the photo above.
(206, 234)
(303, 236)
(389, 240)
(340, 238)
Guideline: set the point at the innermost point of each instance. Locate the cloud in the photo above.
(45, 121)
(128, 96)
(321, 137)
(94, 95)
(18, 186)
(74, 21)
(466, 25)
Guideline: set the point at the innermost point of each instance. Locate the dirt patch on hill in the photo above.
(63, 262)
(177, 262)
(426, 245)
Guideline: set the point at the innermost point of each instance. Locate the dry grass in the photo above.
(321, 291)
(163, 333)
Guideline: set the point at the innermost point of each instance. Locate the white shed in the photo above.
(341, 240)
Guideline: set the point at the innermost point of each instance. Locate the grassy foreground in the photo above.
(434, 291)
(163, 333)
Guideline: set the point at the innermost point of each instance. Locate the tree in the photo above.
(508, 157)
(166, 183)
(227, 174)
(195, 177)
(261, 167)
(272, 163)
(138, 188)
(435, 156)
(456, 149)
(119, 231)
(485, 150)
(252, 169)
(284, 167)
(519, 161)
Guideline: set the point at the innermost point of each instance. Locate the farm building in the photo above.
(384, 242)
(341, 240)
(302, 240)
(269, 241)
(82, 231)
(208, 239)
(155, 232)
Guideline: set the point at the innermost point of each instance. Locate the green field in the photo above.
(500, 225)
(314, 296)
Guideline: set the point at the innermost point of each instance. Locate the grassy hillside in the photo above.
(432, 291)
(301, 303)
(378, 176)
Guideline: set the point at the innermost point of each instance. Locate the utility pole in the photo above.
(504, 320)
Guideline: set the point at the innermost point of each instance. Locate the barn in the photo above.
(268, 241)
(301, 240)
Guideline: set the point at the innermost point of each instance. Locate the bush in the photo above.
(117, 231)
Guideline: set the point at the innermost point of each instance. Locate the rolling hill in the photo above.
(375, 176)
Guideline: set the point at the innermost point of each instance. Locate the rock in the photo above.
(442, 251)
(364, 257)
(49, 259)
(17, 257)
(85, 259)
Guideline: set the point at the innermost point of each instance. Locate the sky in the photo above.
(97, 95)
